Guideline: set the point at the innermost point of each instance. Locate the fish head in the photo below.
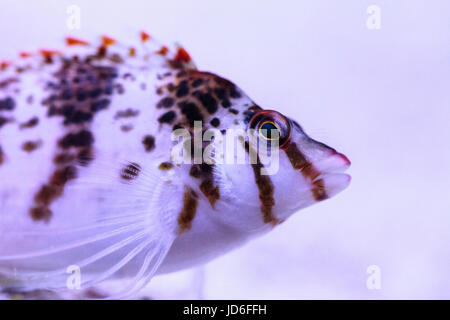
(255, 166)
(284, 170)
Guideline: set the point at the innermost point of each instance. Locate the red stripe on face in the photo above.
(299, 162)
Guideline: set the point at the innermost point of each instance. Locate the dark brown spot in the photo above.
(83, 138)
(63, 158)
(187, 214)
(166, 102)
(226, 103)
(183, 89)
(30, 146)
(149, 143)
(165, 166)
(167, 117)
(128, 113)
(100, 105)
(77, 117)
(215, 122)
(195, 171)
(234, 93)
(191, 112)
(197, 82)
(126, 127)
(7, 104)
(30, 123)
(220, 93)
(208, 102)
(41, 214)
(131, 171)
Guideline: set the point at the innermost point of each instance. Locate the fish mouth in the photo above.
(332, 174)
(336, 163)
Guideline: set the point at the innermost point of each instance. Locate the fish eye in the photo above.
(266, 130)
(265, 121)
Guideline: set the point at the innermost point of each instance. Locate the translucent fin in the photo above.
(127, 236)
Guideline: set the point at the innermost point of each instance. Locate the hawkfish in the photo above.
(91, 189)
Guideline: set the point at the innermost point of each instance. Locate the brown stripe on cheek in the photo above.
(299, 162)
(266, 190)
(187, 214)
(207, 187)
(210, 191)
(2, 156)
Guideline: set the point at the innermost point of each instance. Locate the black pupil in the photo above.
(266, 130)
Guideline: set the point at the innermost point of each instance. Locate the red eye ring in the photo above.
(281, 122)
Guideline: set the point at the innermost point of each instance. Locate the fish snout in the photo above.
(331, 176)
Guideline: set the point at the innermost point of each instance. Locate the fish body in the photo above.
(89, 179)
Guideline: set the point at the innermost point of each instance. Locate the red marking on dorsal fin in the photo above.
(182, 55)
(25, 54)
(4, 65)
(48, 54)
(163, 50)
(107, 41)
(145, 36)
(71, 41)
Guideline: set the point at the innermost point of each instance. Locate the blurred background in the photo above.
(370, 78)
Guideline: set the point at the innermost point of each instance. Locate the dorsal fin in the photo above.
(144, 51)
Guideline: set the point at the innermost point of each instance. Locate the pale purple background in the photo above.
(382, 97)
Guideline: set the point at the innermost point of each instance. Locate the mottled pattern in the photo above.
(195, 96)
(79, 87)
(86, 151)
(79, 91)
(82, 87)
